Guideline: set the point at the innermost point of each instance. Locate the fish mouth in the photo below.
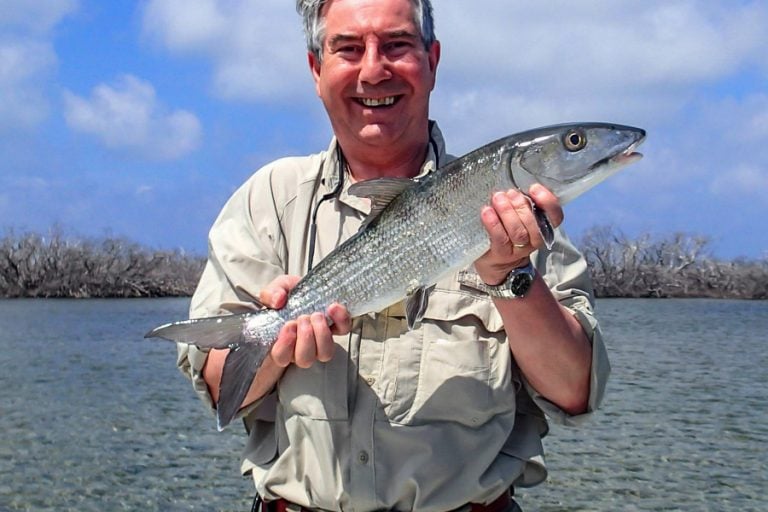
(625, 157)
(629, 155)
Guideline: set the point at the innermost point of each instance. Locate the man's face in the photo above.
(375, 77)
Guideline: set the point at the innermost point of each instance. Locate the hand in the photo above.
(308, 338)
(513, 231)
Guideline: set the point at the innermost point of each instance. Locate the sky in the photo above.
(140, 118)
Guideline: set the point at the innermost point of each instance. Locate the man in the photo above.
(367, 414)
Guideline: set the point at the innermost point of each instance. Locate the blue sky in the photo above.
(139, 119)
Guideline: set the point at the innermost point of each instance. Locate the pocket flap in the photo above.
(451, 300)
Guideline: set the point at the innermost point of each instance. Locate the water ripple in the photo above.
(96, 418)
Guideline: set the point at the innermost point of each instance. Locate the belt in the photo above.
(500, 504)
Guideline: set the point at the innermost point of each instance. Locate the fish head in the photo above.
(570, 159)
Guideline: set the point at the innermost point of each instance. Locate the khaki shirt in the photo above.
(428, 419)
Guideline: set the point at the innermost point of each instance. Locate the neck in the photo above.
(376, 163)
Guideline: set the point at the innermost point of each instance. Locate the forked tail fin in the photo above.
(249, 338)
(240, 367)
(212, 332)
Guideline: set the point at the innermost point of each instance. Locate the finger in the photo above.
(342, 320)
(306, 346)
(283, 349)
(495, 229)
(275, 294)
(515, 212)
(548, 203)
(324, 345)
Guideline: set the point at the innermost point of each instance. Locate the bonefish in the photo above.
(419, 231)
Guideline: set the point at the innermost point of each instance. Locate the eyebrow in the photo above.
(346, 38)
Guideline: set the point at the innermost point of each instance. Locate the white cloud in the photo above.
(38, 16)
(144, 192)
(638, 61)
(744, 180)
(731, 147)
(23, 62)
(30, 183)
(256, 48)
(536, 62)
(128, 115)
(26, 58)
(560, 45)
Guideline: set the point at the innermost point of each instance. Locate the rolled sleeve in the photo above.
(565, 272)
(191, 361)
(239, 264)
(598, 378)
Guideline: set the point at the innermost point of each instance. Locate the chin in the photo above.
(375, 134)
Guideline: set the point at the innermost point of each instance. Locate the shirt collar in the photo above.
(436, 155)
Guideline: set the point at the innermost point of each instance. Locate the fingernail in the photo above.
(501, 197)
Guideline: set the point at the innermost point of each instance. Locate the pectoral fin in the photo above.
(416, 305)
(545, 227)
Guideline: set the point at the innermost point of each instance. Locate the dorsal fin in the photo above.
(381, 192)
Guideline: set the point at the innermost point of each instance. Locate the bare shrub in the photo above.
(677, 265)
(32, 265)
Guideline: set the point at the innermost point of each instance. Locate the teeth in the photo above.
(380, 102)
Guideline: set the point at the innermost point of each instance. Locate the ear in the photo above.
(434, 56)
(314, 67)
(434, 59)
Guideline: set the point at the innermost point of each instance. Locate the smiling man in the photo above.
(374, 76)
(367, 414)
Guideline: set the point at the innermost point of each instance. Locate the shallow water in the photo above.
(94, 417)
(683, 426)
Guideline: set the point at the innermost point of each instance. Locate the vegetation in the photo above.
(32, 265)
(678, 265)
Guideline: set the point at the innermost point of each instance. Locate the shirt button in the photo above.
(370, 380)
(362, 457)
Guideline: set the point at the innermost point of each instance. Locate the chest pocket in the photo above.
(455, 366)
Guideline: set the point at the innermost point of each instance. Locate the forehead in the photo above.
(361, 16)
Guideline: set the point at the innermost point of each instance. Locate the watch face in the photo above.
(520, 283)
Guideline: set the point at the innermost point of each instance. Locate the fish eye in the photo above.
(575, 140)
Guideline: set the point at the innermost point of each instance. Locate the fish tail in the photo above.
(240, 367)
(212, 332)
(249, 338)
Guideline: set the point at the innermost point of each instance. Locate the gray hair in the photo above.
(314, 25)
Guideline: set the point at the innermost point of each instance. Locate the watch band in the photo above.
(515, 285)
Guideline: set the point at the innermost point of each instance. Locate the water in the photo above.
(684, 422)
(94, 417)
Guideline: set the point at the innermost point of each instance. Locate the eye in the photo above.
(575, 140)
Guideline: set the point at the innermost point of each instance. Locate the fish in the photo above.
(419, 231)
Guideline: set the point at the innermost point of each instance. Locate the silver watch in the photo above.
(517, 283)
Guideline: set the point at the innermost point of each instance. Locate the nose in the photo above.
(374, 67)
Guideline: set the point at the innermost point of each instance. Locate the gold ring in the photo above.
(519, 246)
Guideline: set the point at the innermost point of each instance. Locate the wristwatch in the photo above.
(517, 283)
